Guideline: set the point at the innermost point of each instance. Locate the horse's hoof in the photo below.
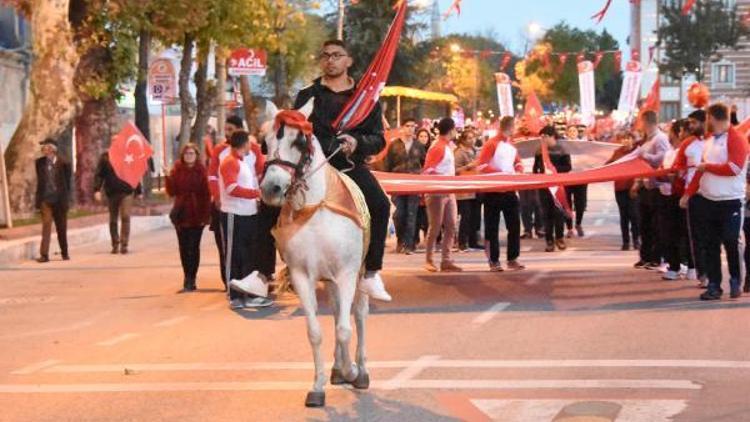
(315, 399)
(337, 378)
(362, 382)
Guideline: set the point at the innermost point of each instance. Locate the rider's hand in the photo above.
(349, 143)
(98, 196)
(684, 202)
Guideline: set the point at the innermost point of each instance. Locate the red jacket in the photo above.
(487, 154)
(189, 188)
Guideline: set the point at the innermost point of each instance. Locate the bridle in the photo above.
(297, 170)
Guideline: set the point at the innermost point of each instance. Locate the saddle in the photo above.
(343, 197)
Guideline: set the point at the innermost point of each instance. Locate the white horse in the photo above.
(329, 246)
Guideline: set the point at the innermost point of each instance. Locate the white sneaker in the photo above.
(692, 274)
(252, 285)
(671, 275)
(257, 302)
(237, 303)
(683, 269)
(374, 287)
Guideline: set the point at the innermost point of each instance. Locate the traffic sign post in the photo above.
(162, 87)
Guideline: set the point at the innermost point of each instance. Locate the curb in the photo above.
(28, 248)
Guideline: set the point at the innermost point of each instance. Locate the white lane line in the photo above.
(35, 367)
(171, 321)
(599, 222)
(213, 306)
(490, 313)
(398, 364)
(426, 384)
(411, 371)
(119, 339)
(526, 248)
(536, 278)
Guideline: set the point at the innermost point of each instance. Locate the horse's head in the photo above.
(289, 140)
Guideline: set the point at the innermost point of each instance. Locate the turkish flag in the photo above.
(533, 114)
(558, 193)
(652, 101)
(129, 154)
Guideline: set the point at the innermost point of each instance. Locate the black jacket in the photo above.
(105, 177)
(559, 157)
(327, 106)
(399, 160)
(62, 173)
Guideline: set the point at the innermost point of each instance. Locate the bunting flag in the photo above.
(598, 16)
(533, 114)
(505, 61)
(687, 6)
(558, 192)
(618, 61)
(598, 56)
(373, 80)
(563, 59)
(456, 5)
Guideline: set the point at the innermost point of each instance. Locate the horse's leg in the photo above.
(361, 309)
(305, 288)
(346, 288)
(336, 377)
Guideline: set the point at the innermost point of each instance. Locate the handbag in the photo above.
(177, 213)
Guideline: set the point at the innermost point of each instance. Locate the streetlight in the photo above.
(455, 47)
(535, 30)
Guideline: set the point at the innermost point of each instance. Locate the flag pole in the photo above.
(340, 23)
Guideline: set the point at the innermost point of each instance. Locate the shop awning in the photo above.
(418, 94)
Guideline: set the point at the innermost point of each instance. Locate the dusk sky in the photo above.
(508, 18)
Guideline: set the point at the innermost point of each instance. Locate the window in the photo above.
(722, 74)
(670, 110)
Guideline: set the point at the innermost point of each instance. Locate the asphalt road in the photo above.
(578, 336)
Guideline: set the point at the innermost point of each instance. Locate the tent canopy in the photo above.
(402, 91)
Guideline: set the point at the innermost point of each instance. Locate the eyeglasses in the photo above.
(324, 57)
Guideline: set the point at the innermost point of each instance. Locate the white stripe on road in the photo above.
(35, 367)
(119, 339)
(599, 222)
(411, 371)
(426, 384)
(536, 278)
(487, 315)
(396, 364)
(171, 321)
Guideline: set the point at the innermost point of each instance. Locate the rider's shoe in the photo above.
(252, 285)
(373, 286)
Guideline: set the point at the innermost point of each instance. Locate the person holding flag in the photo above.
(331, 92)
(554, 229)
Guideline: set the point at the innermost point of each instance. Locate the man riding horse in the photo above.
(331, 92)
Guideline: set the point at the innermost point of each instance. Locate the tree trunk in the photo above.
(280, 84)
(95, 127)
(247, 102)
(142, 117)
(53, 99)
(187, 104)
(205, 96)
(221, 83)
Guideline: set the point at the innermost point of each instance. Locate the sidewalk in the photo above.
(22, 243)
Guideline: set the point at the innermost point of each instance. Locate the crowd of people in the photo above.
(677, 218)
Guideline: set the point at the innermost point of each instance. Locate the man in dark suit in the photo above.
(53, 176)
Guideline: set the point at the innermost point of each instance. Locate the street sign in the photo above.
(162, 81)
(247, 62)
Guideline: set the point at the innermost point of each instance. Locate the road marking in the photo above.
(599, 222)
(526, 248)
(556, 409)
(397, 364)
(490, 313)
(423, 384)
(213, 306)
(171, 321)
(411, 371)
(119, 339)
(35, 367)
(536, 278)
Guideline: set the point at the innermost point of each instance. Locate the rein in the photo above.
(298, 170)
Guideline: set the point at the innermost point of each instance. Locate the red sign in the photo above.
(162, 81)
(129, 154)
(247, 62)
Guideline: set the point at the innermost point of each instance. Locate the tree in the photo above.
(690, 41)
(53, 100)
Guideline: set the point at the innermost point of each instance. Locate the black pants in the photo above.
(697, 248)
(720, 224)
(423, 223)
(469, 215)
(267, 217)
(628, 208)
(217, 228)
(672, 230)
(380, 209)
(189, 240)
(648, 211)
(405, 219)
(577, 198)
(531, 211)
(244, 250)
(494, 204)
(554, 217)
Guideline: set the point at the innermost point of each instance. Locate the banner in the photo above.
(586, 84)
(504, 94)
(631, 87)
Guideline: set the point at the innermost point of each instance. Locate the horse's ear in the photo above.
(271, 111)
(308, 107)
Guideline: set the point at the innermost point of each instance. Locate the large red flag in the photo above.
(373, 81)
(744, 127)
(533, 114)
(129, 154)
(558, 192)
